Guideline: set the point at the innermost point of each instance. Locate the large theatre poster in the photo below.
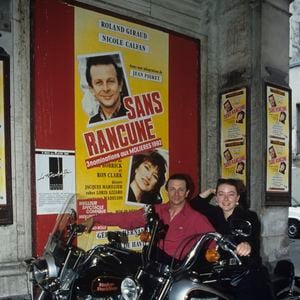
(121, 117)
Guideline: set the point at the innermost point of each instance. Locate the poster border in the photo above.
(278, 198)
(6, 210)
(247, 133)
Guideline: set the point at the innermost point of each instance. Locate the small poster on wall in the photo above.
(233, 134)
(278, 139)
(55, 180)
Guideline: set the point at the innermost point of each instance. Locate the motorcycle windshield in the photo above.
(59, 235)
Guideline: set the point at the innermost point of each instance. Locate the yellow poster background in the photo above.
(233, 134)
(278, 139)
(103, 185)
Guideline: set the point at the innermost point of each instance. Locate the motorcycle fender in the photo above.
(181, 288)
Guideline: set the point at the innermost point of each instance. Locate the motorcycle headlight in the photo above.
(40, 271)
(44, 271)
(130, 289)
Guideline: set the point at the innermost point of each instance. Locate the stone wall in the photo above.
(16, 238)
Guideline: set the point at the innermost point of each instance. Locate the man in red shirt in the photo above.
(182, 221)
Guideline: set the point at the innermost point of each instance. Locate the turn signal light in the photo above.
(212, 255)
(145, 236)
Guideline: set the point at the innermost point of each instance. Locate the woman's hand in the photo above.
(207, 193)
(88, 223)
(243, 249)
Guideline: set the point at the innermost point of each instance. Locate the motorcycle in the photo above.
(67, 272)
(203, 274)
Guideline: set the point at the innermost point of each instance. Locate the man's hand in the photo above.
(243, 249)
(88, 223)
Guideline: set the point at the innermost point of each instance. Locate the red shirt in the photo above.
(176, 242)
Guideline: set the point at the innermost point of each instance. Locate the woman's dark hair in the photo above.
(158, 161)
(284, 115)
(241, 113)
(240, 163)
(101, 60)
(230, 181)
(240, 189)
(284, 165)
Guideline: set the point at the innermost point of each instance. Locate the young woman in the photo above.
(228, 207)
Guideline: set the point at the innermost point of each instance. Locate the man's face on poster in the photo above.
(105, 85)
(227, 106)
(227, 155)
(272, 100)
(272, 152)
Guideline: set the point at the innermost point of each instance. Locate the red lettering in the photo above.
(140, 112)
(141, 131)
(147, 99)
(122, 139)
(143, 105)
(102, 143)
(112, 138)
(128, 103)
(156, 99)
(149, 126)
(131, 132)
(91, 144)
(119, 136)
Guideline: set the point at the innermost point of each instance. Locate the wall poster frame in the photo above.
(234, 117)
(278, 145)
(6, 215)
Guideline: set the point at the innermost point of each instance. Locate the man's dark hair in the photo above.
(180, 176)
(101, 60)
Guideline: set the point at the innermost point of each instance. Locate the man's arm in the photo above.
(125, 220)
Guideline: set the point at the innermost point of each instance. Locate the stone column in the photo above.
(254, 47)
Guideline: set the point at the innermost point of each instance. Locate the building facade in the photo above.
(242, 44)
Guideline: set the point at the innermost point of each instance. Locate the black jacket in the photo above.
(216, 217)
